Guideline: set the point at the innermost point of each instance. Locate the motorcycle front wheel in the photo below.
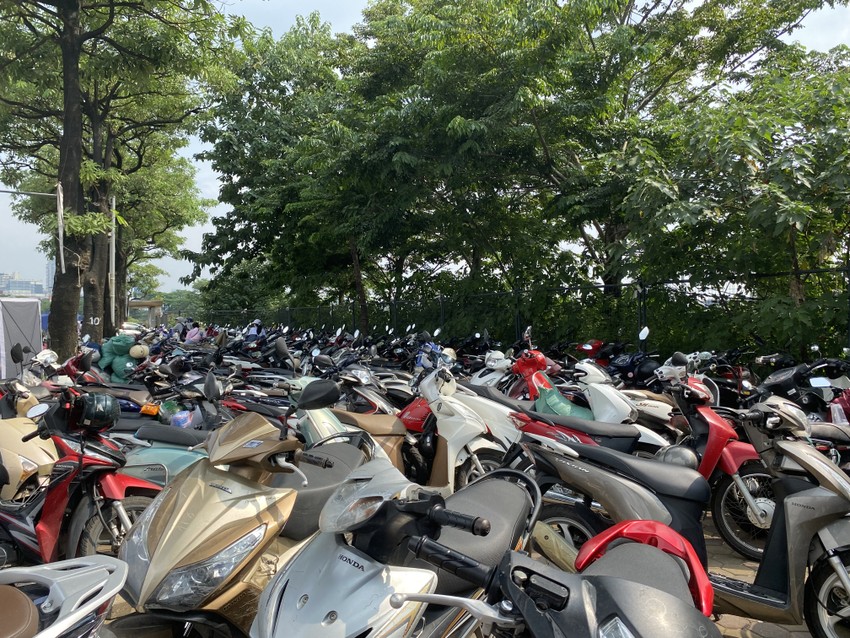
(99, 539)
(735, 522)
(825, 597)
(577, 523)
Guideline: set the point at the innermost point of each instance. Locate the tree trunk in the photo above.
(94, 289)
(363, 314)
(120, 289)
(62, 323)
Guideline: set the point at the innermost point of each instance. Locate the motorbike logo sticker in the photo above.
(351, 561)
(223, 488)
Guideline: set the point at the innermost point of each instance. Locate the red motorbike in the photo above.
(86, 505)
(742, 502)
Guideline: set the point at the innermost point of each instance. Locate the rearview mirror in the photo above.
(357, 333)
(280, 347)
(643, 334)
(212, 390)
(437, 332)
(37, 411)
(17, 353)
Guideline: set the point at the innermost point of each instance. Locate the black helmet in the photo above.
(97, 411)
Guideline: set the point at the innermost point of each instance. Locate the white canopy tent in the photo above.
(20, 322)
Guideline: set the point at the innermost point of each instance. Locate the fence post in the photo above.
(517, 318)
(847, 280)
(641, 299)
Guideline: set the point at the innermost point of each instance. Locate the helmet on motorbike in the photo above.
(95, 412)
(529, 362)
(139, 351)
(678, 455)
(449, 356)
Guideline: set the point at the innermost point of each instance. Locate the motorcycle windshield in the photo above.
(357, 601)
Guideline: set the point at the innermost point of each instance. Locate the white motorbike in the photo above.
(66, 599)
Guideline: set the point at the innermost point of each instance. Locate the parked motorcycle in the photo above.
(803, 574)
(341, 582)
(71, 500)
(623, 570)
(66, 599)
(207, 546)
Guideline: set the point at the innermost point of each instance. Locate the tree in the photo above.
(116, 55)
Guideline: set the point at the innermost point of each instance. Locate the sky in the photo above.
(18, 241)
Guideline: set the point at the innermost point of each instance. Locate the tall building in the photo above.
(49, 274)
(12, 285)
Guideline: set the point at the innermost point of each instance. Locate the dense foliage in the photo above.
(578, 164)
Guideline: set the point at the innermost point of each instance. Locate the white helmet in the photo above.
(139, 351)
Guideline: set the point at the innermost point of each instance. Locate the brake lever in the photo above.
(479, 609)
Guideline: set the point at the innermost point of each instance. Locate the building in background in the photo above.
(11, 285)
(49, 274)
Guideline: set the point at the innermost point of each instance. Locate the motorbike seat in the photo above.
(506, 505)
(652, 396)
(322, 482)
(130, 423)
(488, 392)
(375, 424)
(20, 615)
(171, 434)
(591, 428)
(40, 392)
(663, 478)
(831, 432)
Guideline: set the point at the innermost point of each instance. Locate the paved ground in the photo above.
(723, 560)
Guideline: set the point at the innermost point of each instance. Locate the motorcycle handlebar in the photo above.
(451, 561)
(752, 415)
(474, 524)
(30, 436)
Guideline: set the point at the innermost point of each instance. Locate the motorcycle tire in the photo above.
(730, 515)
(578, 522)
(95, 539)
(466, 473)
(824, 597)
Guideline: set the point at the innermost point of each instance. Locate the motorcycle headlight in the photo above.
(614, 628)
(363, 376)
(187, 588)
(348, 507)
(134, 549)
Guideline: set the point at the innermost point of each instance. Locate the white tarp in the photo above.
(20, 322)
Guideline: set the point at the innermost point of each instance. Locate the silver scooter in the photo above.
(803, 573)
(341, 582)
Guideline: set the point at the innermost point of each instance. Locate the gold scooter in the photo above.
(202, 553)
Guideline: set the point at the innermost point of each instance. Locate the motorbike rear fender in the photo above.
(734, 455)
